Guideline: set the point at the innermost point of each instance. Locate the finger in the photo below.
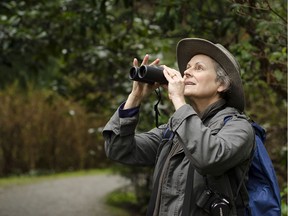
(155, 62)
(168, 71)
(135, 62)
(172, 72)
(167, 75)
(145, 60)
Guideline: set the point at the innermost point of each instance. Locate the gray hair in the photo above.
(223, 78)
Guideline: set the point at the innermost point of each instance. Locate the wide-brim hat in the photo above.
(189, 47)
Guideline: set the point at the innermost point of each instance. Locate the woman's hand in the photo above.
(176, 86)
(140, 90)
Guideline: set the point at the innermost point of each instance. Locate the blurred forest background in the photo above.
(64, 70)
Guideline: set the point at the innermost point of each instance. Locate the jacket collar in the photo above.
(212, 109)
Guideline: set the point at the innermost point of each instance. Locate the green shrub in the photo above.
(41, 131)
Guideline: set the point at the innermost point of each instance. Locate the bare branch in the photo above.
(273, 11)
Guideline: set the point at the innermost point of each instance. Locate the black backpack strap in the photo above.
(154, 193)
(241, 197)
(188, 198)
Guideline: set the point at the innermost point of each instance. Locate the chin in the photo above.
(188, 93)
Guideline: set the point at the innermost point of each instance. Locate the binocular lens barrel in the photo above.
(133, 74)
(148, 74)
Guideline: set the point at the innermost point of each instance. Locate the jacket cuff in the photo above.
(127, 112)
(121, 125)
(128, 125)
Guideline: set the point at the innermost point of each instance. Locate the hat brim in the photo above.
(189, 47)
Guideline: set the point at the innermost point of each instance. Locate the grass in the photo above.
(117, 211)
(34, 178)
(123, 202)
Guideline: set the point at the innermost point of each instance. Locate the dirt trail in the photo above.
(78, 196)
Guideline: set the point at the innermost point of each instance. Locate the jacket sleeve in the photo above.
(213, 153)
(124, 146)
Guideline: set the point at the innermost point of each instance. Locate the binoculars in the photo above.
(148, 74)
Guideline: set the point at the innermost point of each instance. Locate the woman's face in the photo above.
(200, 79)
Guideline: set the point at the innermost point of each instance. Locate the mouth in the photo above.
(190, 83)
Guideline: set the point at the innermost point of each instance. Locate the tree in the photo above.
(83, 50)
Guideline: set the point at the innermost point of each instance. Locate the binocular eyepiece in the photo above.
(148, 74)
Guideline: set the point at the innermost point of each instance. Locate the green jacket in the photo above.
(215, 148)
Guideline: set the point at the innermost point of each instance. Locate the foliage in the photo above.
(125, 197)
(83, 50)
(284, 196)
(42, 131)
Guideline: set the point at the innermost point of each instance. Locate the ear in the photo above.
(221, 88)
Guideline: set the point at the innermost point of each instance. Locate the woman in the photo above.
(200, 164)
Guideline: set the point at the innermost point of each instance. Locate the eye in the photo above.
(199, 67)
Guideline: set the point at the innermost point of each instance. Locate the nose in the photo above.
(187, 73)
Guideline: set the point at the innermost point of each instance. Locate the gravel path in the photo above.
(81, 196)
